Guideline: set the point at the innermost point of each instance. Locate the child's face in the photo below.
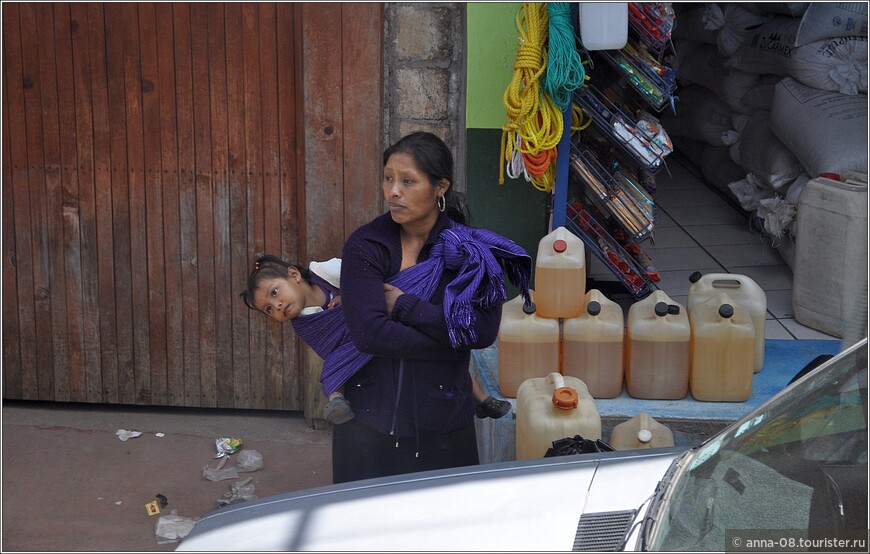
(281, 298)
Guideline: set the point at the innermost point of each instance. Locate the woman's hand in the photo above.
(336, 300)
(391, 293)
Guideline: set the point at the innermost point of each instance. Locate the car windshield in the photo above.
(798, 462)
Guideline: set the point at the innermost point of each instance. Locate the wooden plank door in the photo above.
(150, 152)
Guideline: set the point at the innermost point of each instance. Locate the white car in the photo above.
(791, 474)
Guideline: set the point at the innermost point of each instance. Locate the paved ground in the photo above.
(70, 484)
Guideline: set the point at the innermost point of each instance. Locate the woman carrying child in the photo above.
(420, 291)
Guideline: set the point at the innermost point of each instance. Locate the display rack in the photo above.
(638, 280)
(610, 210)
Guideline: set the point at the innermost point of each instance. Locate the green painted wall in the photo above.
(492, 50)
(515, 209)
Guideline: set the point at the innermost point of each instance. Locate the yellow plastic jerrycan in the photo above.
(743, 291)
(723, 351)
(528, 345)
(592, 345)
(641, 431)
(552, 408)
(560, 274)
(657, 344)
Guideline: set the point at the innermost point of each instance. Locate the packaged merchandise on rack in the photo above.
(601, 243)
(653, 22)
(632, 184)
(619, 196)
(654, 82)
(620, 128)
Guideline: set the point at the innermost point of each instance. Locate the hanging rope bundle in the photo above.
(565, 71)
(535, 123)
(540, 136)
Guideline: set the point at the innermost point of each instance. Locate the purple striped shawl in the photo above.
(480, 259)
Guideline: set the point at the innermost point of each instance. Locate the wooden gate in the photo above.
(150, 152)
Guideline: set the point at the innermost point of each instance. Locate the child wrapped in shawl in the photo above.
(289, 292)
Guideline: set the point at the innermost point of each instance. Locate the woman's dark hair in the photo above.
(435, 160)
(268, 267)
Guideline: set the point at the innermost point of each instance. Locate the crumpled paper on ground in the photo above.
(173, 527)
(249, 460)
(219, 473)
(124, 434)
(239, 492)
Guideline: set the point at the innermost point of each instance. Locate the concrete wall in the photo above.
(424, 74)
(446, 67)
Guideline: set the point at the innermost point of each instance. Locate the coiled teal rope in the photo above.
(565, 71)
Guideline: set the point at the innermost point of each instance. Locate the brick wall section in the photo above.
(424, 74)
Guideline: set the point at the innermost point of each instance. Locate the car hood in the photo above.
(528, 505)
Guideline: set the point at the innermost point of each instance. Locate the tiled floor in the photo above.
(698, 230)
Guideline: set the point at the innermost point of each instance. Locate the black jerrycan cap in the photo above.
(673, 309)
(529, 308)
(695, 277)
(726, 310)
(661, 309)
(594, 308)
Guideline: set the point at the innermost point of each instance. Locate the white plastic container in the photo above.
(553, 408)
(657, 343)
(560, 274)
(528, 346)
(723, 344)
(592, 346)
(603, 25)
(743, 291)
(830, 252)
(639, 432)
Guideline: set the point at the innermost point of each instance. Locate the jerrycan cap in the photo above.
(831, 176)
(661, 309)
(529, 308)
(644, 435)
(673, 309)
(559, 245)
(566, 398)
(726, 310)
(594, 308)
(695, 277)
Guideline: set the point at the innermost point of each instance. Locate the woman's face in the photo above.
(282, 298)
(409, 194)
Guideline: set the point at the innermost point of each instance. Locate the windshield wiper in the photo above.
(662, 486)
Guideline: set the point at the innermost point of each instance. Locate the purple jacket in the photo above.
(417, 382)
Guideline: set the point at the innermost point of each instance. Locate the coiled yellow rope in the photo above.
(535, 124)
(577, 115)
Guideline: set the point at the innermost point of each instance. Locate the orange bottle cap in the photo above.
(565, 398)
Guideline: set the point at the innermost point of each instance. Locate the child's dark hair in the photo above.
(268, 267)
